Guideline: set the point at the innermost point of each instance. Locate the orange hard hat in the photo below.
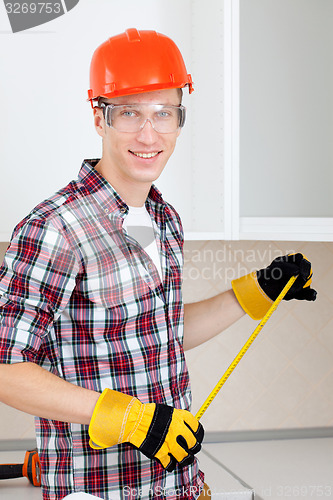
(135, 62)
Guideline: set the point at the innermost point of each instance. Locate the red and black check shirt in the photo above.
(81, 298)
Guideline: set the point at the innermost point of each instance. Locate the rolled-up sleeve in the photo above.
(37, 278)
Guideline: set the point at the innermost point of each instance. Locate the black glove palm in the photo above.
(273, 278)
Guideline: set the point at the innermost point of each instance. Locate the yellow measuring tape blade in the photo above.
(245, 348)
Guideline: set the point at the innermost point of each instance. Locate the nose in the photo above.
(147, 133)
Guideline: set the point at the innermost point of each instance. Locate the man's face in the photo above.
(122, 151)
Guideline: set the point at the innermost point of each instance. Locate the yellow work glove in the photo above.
(158, 431)
(257, 291)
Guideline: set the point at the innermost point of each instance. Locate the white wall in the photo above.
(285, 380)
(286, 106)
(46, 124)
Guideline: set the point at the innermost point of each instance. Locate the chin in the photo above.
(148, 175)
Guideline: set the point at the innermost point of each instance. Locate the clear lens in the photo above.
(132, 118)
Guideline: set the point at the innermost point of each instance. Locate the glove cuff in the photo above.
(108, 422)
(250, 296)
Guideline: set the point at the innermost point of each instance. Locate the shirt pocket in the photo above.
(113, 278)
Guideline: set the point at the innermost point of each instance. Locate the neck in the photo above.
(133, 194)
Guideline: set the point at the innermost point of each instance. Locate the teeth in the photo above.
(146, 155)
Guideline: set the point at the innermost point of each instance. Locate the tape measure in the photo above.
(246, 346)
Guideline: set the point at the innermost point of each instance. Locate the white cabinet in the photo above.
(255, 160)
(272, 171)
(286, 119)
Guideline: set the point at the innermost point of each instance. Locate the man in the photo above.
(93, 328)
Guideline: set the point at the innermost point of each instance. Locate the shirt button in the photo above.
(123, 210)
(106, 210)
(150, 266)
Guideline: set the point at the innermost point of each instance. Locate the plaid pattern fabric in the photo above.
(81, 298)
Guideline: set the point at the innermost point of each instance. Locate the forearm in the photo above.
(31, 389)
(203, 320)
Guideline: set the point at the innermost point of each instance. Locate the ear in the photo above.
(99, 121)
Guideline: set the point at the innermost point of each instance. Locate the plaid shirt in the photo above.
(81, 298)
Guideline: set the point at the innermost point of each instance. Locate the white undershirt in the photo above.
(139, 226)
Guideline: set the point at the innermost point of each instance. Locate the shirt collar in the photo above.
(107, 197)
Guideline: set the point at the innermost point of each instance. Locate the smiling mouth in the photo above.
(145, 155)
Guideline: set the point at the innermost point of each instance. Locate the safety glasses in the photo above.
(133, 117)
